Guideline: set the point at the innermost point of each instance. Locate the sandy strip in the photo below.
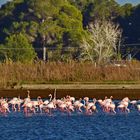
(78, 86)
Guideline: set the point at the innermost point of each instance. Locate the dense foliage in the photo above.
(17, 49)
(59, 25)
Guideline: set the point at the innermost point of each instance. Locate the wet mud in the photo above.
(77, 93)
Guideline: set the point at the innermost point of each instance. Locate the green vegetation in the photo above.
(54, 24)
(60, 26)
(17, 49)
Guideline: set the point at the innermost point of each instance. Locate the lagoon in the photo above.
(77, 126)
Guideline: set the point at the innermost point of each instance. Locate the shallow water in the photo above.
(77, 126)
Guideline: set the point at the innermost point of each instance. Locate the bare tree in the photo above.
(105, 36)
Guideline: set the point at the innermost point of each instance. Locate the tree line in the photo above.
(67, 29)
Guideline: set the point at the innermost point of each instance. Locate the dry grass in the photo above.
(58, 72)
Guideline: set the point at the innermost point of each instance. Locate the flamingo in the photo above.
(124, 105)
(4, 106)
(90, 107)
(15, 101)
(138, 107)
(50, 106)
(133, 102)
(112, 107)
(78, 105)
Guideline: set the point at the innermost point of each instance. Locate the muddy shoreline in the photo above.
(78, 91)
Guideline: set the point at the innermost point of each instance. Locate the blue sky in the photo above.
(120, 1)
(3, 1)
(129, 1)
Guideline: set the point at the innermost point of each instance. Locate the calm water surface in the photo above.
(60, 126)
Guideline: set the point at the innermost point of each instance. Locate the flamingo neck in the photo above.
(51, 98)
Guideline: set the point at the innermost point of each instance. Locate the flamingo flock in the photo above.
(66, 104)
